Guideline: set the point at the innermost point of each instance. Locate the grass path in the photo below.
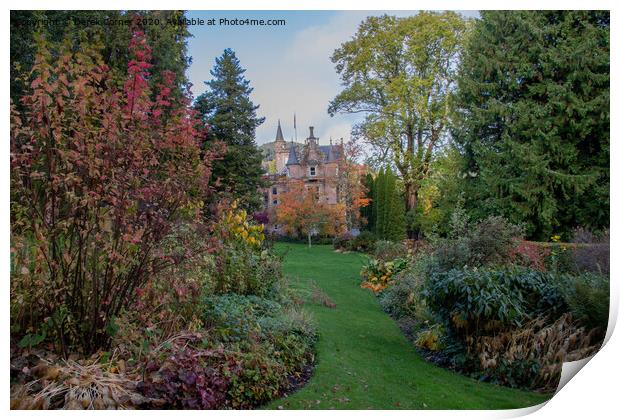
(364, 361)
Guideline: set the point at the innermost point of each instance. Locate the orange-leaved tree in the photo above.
(301, 213)
(352, 192)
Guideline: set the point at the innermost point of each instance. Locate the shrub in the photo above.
(431, 338)
(189, 378)
(587, 296)
(242, 270)
(388, 251)
(343, 242)
(492, 240)
(403, 298)
(235, 317)
(593, 258)
(593, 255)
(488, 242)
(377, 274)
(531, 356)
(91, 197)
(530, 254)
(364, 242)
(258, 379)
(475, 302)
(269, 341)
(261, 217)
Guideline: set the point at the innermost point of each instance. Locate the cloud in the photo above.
(304, 80)
(289, 68)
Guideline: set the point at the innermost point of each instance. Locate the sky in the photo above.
(288, 66)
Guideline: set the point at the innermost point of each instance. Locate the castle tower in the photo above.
(280, 150)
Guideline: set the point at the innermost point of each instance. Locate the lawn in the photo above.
(364, 361)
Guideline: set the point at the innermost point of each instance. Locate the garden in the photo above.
(488, 304)
(462, 256)
(127, 289)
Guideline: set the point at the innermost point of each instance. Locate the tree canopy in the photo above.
(533, 118)
(400, 73)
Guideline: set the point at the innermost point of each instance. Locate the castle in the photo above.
(313, 164)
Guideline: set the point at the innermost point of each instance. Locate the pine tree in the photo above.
(231, 117)
(533, 118)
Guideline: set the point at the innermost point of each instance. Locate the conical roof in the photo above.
(292, 156)
(279, 136)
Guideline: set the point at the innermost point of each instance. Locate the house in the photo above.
(314, 164)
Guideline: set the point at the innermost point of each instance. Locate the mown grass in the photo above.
(363, 359)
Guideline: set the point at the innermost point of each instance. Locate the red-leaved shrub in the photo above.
(99, 176)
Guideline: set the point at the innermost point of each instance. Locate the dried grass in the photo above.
(71, 385)
(318, 296)
(548, 344)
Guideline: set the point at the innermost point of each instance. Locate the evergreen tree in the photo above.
(231, 117)
(379, 203)
(389, 207)
(397, 225)
(368, 212)
(533, 118)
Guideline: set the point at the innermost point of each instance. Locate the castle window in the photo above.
(275, 202)
(274, 191)
(312, 171)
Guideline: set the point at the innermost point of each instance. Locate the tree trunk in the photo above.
(309, 241)
(411, 196)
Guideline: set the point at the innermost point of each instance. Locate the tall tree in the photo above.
(231, 117)
(533, 118)
(400, 72)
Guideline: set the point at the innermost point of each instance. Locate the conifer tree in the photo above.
(389, 207)
(231, 117)
(396, 227)
(368, 212)
(379, 202)
(533, 119)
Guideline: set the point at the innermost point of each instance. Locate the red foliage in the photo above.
(189, 379)
(529, 254)
(100, 176)
(261, 217)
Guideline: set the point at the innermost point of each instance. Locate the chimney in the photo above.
(311, 132)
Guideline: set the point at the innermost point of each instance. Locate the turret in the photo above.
(281, 151)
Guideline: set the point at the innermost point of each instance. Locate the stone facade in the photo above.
(314, 164)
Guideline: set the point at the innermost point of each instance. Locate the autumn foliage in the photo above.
(353, 192)
(302, 214)
(101, 171)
